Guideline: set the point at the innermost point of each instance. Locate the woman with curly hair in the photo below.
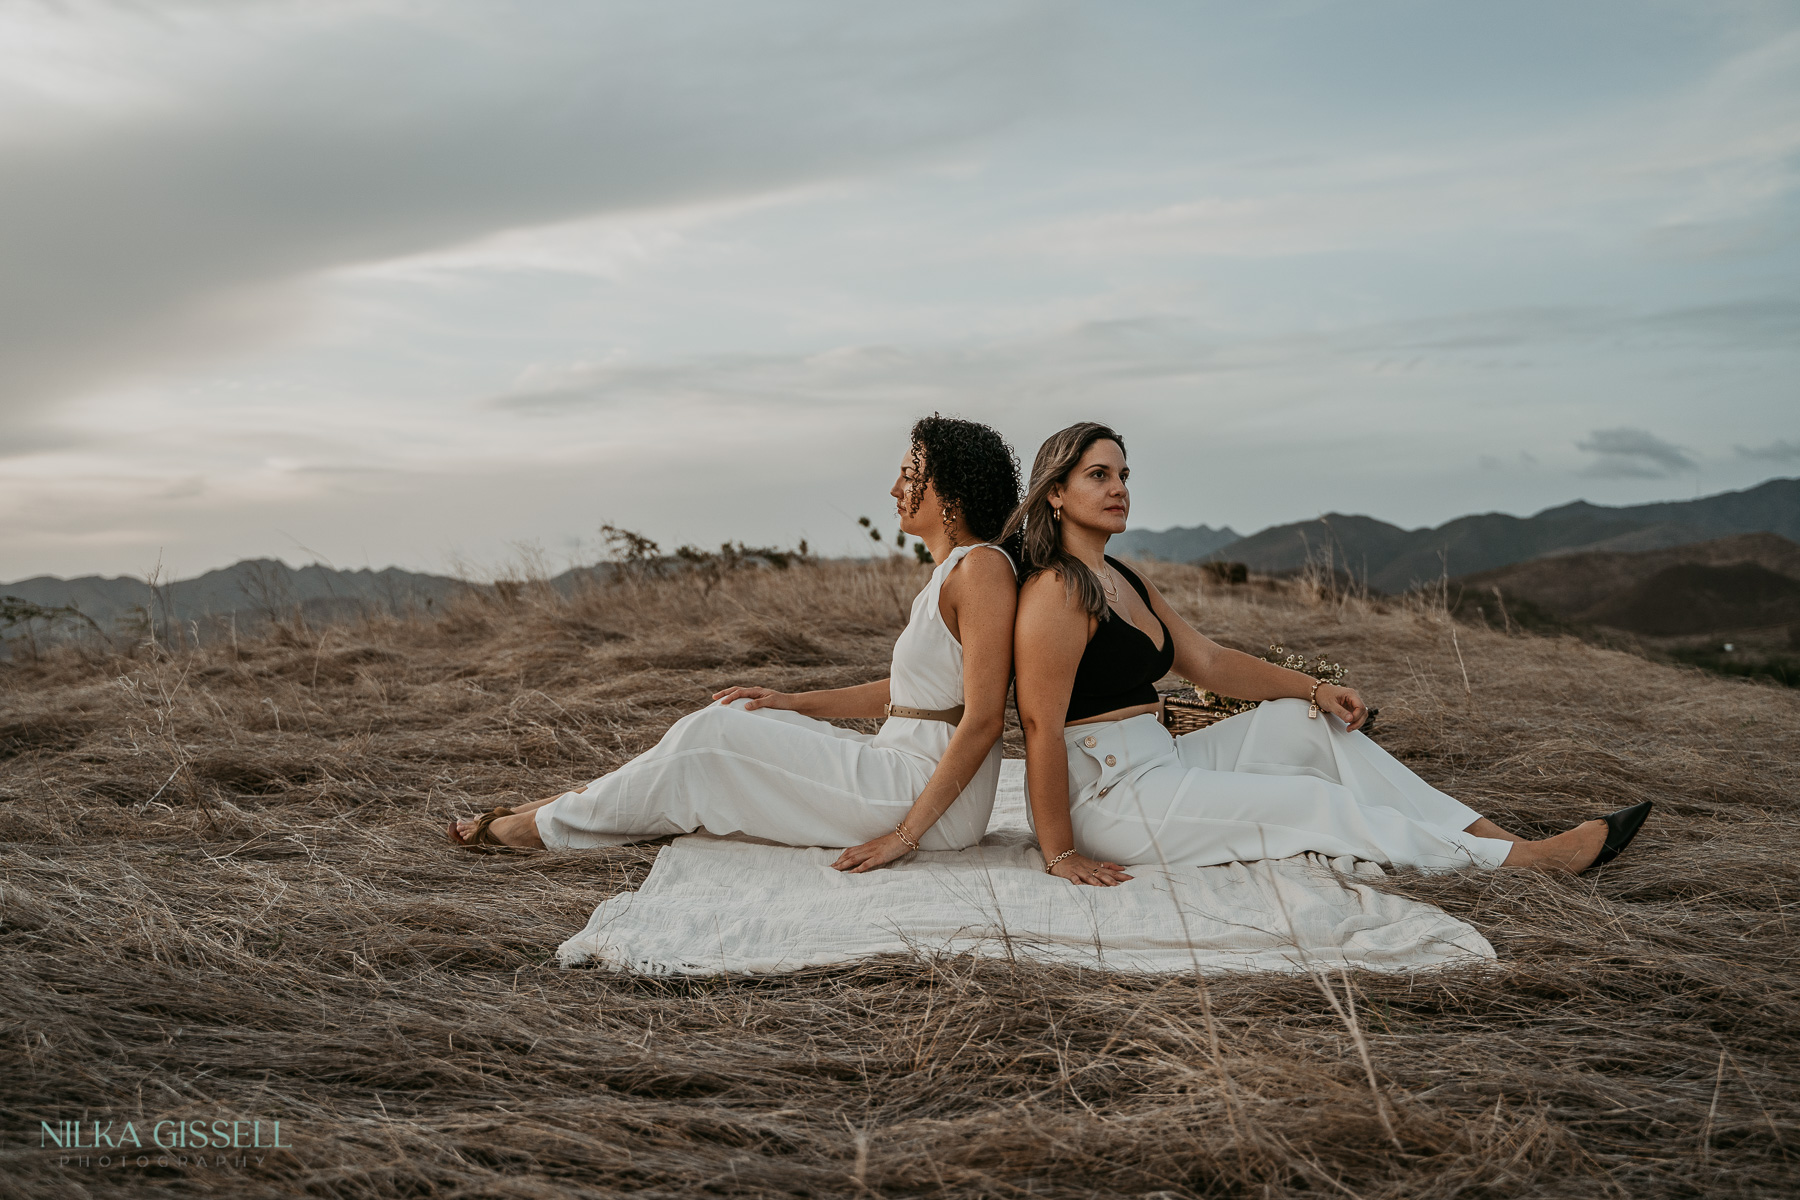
(1109, 785)
(767, 763)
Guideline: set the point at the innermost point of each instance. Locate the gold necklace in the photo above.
(1110, 586)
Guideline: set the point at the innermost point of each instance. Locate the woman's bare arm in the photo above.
(863, 700)
(1236, 674)
(1049, 638)
(977, 601)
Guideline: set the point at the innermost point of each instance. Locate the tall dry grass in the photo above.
(225, 892)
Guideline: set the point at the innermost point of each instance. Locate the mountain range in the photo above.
(1392, 559)
(1387, 557)
(253, 590)
(1180, 544)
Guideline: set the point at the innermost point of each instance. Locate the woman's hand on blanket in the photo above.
(878, 853)
(1079, 868)
(1345, 703)
(759, 697)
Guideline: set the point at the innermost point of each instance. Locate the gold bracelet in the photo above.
(901, 830)
(1049, 867)
(1312, 699)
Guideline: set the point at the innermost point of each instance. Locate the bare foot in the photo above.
(520, 829)
(1572, 851)
(465, 828)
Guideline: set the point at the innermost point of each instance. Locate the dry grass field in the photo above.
(226, 893)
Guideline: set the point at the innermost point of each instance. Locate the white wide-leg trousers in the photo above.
(1269, 783)
(767, 773)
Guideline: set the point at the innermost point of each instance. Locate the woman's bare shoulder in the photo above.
(994, 567)
(1046, 589)
(984, 574)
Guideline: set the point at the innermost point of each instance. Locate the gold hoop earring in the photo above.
(1056, 515)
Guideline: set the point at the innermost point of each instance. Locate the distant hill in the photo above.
(1731, 604)
(1696, 598)
(1573, 586)
(255, 590)
(1181, 544)
(1392, 559)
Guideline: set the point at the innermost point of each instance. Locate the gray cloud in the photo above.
(1626, 453)
(1771, 322)
(1781, 451)
(1760, 322)
(1123, 350)
(1069, 361)
(28, 438)
(359, 134)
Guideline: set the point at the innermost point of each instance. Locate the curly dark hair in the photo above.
(972, 468)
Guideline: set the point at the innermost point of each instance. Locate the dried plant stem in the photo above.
(1457, 645)
(1348, 1017)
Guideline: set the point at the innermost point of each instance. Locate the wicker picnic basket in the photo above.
(1187, 708)
(1183, 712)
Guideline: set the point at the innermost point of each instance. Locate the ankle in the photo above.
(520, 829)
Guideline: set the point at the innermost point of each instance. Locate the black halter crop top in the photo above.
(1121, 665)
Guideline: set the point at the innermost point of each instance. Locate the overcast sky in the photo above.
(425, 283)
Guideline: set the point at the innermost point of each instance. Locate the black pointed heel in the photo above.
(1621, 827)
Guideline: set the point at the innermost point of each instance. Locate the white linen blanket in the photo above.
(714, 905)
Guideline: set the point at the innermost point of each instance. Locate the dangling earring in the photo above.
(949, 518)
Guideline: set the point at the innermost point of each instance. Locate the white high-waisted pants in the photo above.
(768, 773)
(1269, 783)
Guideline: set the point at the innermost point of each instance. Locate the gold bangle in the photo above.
(1050, 866)
(901, 830)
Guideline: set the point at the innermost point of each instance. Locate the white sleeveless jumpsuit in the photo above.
(778, 775)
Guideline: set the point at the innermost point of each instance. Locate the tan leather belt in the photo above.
(948, 715)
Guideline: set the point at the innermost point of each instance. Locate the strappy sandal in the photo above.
(481, 836)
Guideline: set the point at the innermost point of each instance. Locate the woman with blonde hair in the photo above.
(769, 764)
(1109, 785)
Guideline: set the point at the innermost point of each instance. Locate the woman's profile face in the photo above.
(916, 502)
(1095, 494)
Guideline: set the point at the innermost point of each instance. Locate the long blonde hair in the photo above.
(1041, 547)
